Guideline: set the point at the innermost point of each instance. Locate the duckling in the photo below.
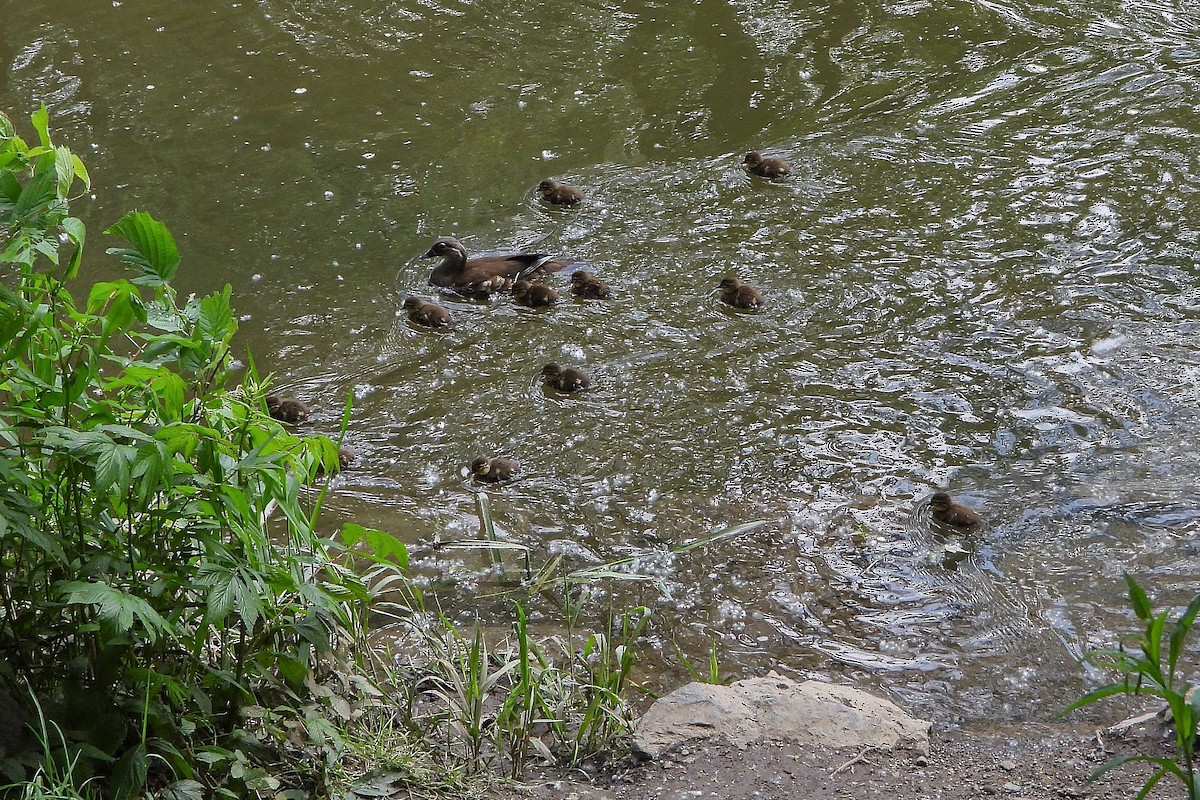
(560, 194)
(567, 379)
(588, 286)
(477, 278)
(948, 512)
(493, 470)
(740, 295)
(345, 459)
(287, 409)
(431, 315)
(766, 166)
(534, 295)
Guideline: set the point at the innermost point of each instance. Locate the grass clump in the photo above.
(1152, 667)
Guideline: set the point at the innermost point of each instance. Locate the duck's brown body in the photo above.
(494, 470)
(534, 295)
(588, 286)
(766, 166)
(287, 409)
(479, 277)
(567, 379)
(948, 512)
(560, 194)
(741, 295)
(430, 315)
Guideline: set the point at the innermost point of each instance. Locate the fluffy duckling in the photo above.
(766, 166)
(345, 459)
(560, 194)
(430, 315)
(588, 286)
(567, 379)
(740, 295)
(493, 470)
(287, 409)
(534, 295)
(477, 278)
(948, 512)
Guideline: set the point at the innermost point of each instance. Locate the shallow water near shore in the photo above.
(981, 275)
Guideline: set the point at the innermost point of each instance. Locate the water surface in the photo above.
(981, 275)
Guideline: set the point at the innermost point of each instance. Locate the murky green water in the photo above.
(982, 275)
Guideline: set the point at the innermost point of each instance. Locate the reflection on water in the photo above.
(981, 275)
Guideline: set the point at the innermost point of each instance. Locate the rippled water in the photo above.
(982, 275)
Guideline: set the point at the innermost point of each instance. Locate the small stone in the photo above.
(1008, 766)
(1011, 787)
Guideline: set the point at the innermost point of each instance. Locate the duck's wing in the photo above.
(541, 264)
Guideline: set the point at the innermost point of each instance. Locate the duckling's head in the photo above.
(752, 158)
(480, 466)
(940, 501)
(729, 284)
(551, 370)
(412, 303)
(521, 287)
(548, 185)
(579, 276)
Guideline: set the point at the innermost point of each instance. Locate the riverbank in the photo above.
(981, 760)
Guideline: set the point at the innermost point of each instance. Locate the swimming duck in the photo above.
(588, 286)
(948, 512)
(740, 295)
(560, 194)
(493, 470)
(431, 315)
(766, 166)
(477, 278)
(534, 295)
(566, 379)
(287, 409)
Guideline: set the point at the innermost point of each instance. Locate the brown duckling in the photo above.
(287, 409)
(477, 278)
(345, 459)
(567, 379)
(422, 312)
(588, 286)
(948, 512)
(766, 166)
(740, 295)
(560, 194)
(534, 295)
(494, 470)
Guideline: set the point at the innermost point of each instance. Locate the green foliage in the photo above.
(1155, 670)
(163, 571)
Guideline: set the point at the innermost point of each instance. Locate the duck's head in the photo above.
(752, 158)
(940, 501)
(446, 245)
(729, 284)
(412, 304)
(551, 370)
(480, 466)
(548, 185)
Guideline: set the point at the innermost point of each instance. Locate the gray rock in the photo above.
(776, 708)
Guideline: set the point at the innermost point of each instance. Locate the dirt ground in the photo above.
(1029, 762)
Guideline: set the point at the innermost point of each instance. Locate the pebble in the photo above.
(1011, 787)
(1008, 766)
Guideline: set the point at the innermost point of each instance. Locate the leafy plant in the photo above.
(1154, 669)
(163, 569)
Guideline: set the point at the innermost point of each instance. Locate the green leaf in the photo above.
(216, 317)
(76, 234)
(41, 124)
(1138, 599)
(129, 775)
(64, 170)
(36, 194)
(153, 251)
(384, 546)
(116, 606)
